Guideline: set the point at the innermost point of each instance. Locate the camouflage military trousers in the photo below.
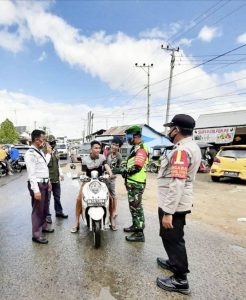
(135, 191)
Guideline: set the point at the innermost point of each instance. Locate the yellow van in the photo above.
(230, 161)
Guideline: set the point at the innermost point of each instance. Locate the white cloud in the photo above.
(42, 57)
(8, 13)
(185, 42)
(161, 32)
(242, 38)
(207, 34)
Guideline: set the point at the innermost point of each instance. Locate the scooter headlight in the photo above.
(95, 187)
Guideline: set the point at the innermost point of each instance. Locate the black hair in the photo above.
(117, 140)
(137, 133)
(95, 143)
(36, 134)
(186, 131)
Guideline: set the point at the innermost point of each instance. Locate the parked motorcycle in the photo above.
(95, 203)
(15, 166)
(3, 169)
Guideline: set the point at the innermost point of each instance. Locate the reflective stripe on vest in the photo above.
(141, 175)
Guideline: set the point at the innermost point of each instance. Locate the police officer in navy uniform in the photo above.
(38, 185)
(175, 193)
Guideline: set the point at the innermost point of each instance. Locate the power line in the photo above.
(204, 17)
(201, 64)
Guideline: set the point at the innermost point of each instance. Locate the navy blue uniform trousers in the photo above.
(56, 190)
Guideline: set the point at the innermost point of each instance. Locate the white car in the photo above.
(62, 150)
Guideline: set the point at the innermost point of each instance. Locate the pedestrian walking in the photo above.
(38, 185)
(175, 179)
(135, 181)
(55, 176)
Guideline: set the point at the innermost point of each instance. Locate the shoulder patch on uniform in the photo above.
(31, 150)
(179, 164)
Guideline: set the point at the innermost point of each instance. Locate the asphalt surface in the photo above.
(70, 268)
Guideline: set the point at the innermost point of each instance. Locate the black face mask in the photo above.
(171, 138)
(52, 145)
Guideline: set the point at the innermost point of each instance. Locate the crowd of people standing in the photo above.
(175, 191)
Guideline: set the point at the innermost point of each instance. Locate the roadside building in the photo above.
(149, 135)
(225, 128)
(94, 135)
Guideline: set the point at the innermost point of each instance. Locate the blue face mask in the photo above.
(129, 138)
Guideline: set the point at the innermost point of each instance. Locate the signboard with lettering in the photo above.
(221, 135)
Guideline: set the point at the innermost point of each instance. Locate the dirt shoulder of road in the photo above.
(217, 204)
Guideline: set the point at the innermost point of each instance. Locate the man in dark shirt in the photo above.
(55, 176)
(94, 162)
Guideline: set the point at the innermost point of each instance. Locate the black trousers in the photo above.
(174, 243)
(56, 191)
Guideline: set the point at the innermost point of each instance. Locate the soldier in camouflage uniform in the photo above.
(135, 180)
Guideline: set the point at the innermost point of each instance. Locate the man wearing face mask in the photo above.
(135, 181)
(38, 185)
(55, 175)
(175, 178)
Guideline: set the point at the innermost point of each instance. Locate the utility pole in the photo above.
(173, 50)
(92, 116)
(144, 66)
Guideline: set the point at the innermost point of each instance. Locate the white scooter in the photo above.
(95, 204)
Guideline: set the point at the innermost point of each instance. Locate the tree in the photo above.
(8, 133)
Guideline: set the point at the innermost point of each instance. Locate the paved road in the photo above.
(70, 268)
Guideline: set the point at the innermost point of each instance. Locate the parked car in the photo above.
(62, 150)
(22, 150)
(83, 151)
(230, 161)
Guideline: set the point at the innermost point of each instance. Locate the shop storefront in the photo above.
(219, 129)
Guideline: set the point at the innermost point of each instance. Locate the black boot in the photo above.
(130, 229)
(174, 284)
(164, 263)
(136, 237)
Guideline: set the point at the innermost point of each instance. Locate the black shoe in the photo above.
(130, 229)
(136, 237)
(40, 240)
(61, 215)
(164, 263)
(173, 284)
(48, 230)
(48, 220)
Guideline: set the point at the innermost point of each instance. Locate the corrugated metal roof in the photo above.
(119, 130)
(232, 118)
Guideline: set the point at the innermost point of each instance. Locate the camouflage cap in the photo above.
(51, 138)
(134, 129)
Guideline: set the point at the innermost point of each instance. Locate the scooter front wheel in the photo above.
(97, 234)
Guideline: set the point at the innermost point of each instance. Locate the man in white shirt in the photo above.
(38, 185)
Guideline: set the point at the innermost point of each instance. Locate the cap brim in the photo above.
(170, 124)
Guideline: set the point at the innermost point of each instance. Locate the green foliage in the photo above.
(8, 133)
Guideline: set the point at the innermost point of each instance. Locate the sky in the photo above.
(61, 59)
